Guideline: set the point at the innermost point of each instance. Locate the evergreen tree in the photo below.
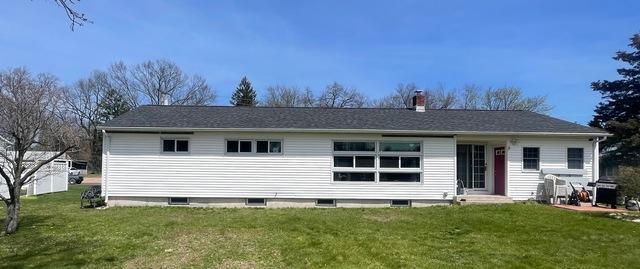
(244, 94)
(113, 104)
(619, 111)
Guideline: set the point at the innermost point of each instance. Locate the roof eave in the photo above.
(367, 131)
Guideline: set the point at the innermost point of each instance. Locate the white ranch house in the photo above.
(307, 157)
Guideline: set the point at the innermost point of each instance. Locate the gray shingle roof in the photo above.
(450, 120)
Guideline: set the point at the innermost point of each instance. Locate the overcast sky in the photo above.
(553, 48)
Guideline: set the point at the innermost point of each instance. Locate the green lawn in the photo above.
(55, 233)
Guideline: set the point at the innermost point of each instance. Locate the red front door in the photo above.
(498, 171)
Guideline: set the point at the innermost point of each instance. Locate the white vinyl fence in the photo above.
(53, 177)
(3, 189)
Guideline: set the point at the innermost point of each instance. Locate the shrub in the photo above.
(629, 179)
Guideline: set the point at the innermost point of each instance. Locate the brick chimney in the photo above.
(419, 102)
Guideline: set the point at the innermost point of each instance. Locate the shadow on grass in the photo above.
(34, 245)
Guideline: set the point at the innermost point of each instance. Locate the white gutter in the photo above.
(361, 131)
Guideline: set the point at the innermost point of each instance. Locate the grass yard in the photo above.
(56, 233)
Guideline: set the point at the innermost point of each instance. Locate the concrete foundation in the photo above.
(270, 203)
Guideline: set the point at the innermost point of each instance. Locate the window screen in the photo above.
(182, 145)
(575, 158)
(168, 145)
(245, 146)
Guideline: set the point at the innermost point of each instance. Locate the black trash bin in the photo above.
(606, 192)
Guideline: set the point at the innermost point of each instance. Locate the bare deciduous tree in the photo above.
(400, 98)
(160, 79)
(286, 96)
(338, 96)
(440, 98)
(512, 98)
(282, 96)
(29, 120)
(307, 99)
(82, 101)
(470, 97)
(120, 81)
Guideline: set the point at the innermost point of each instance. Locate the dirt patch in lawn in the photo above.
(92, 179)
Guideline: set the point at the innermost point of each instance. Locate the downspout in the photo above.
(455, 167)
(595, 166)
(106, 146)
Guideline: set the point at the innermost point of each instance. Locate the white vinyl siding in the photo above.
(135, 167)
(525, 184)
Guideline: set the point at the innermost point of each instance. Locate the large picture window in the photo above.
(383, 161)
(531, 158)
(575, 158)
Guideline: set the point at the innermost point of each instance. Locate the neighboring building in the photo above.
(290, 157)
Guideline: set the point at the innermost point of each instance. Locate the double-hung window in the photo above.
(575, 158)
(531, 158)
(175, 145)
(383, 161)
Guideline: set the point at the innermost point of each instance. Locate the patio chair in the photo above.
(555, 188)
(92, 196)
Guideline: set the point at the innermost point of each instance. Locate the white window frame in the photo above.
(376, 170)
(175, 145)
(269, 146)
(539, 159)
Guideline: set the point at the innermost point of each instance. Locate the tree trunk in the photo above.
(13, 214)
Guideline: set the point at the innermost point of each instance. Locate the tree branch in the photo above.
(74, 16)
(4, 156)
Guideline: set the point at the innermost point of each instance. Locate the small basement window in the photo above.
(256, 201)
(401, 203)
(178, 200)
(325, 202)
